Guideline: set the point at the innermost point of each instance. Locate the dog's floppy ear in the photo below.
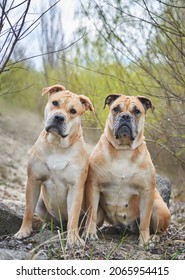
(147, 104)
(110, 99)
(52, 89)
(87, 103)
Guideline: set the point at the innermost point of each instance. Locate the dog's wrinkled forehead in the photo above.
(64, 102)
(59, 98)
(127, 102)
(63, 97)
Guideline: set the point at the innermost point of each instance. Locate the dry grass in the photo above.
(114, 246)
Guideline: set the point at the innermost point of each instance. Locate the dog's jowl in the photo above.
(58, 164)
(121, 183)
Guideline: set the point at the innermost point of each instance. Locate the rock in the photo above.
(164, 188)
(25, 249)
(10, 222)
(6, 254)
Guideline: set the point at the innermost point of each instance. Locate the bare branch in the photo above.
(16, 36)
(43, 54)
(17, 31)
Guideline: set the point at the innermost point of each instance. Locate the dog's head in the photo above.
(125, 123)
(64, 110)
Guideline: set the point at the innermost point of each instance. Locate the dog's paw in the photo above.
(150, 244)
(90, 236)
(144, 239)
(74, 240)
(141, 243)
(154, 239)
(21, 234)
(37, 223)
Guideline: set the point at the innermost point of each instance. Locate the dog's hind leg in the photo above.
(160, 217)
(42, 216)
(100, 216)
(42, 211)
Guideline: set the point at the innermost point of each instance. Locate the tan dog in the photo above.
(121, 183)
(58, 163)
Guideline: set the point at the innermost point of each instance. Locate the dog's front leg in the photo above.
(146, 204)
(32, 195)
(74, 204)
(92, 197)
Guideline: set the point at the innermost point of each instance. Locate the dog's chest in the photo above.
(63, 168)
(64, 172)
(121, 203)
(57, 162)
(119, 193)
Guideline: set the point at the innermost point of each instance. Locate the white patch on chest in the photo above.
(64, 167)
(57, 161)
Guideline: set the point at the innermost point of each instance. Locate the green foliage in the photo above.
(21, 86)
(97, 82)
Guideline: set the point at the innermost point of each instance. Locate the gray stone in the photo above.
(6, 254)
(10, 222)
(164, 188)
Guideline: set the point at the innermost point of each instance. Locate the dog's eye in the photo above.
(55, 103)
(73, 111)
(116, 109)
(137, 112)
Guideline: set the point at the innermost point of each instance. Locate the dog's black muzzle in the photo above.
(56, 124)
(125, 126)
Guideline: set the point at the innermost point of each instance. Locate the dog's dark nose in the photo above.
(59, 118)
(125, 117)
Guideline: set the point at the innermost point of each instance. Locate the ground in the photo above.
(18, 131)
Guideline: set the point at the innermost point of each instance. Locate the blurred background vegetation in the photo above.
(118, 46)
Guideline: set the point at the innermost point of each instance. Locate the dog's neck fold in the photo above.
(66, 142)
